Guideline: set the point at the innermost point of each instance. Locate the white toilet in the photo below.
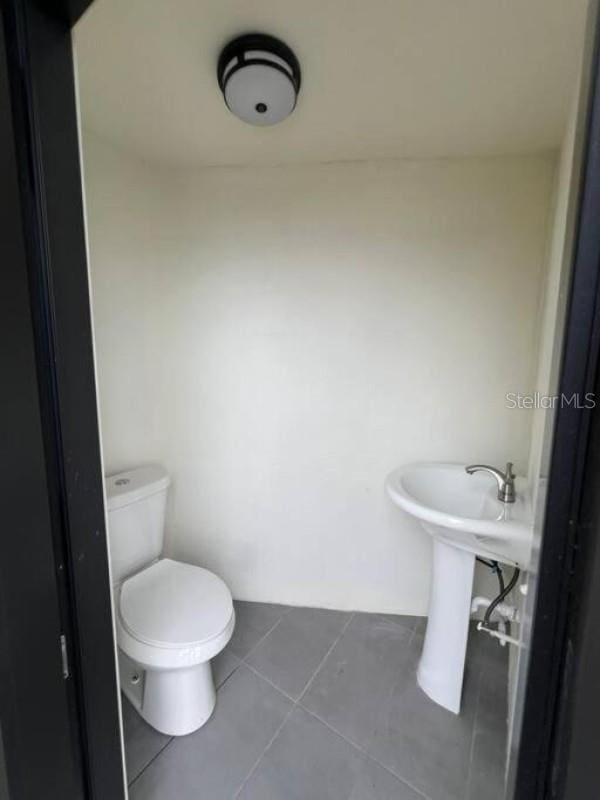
(171, 617)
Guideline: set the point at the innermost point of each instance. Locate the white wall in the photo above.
(311, 328)
(553, 301)
(128, 253)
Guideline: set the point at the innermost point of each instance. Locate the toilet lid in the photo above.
(171, 604)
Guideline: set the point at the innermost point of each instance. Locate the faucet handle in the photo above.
(505, 480)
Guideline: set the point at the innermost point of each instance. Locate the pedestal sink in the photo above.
(464, 517)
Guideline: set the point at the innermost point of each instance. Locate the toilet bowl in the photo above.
(171, 617)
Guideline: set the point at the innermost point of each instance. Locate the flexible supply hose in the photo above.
(504, 592)
(495, 567)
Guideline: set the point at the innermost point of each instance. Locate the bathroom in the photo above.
(286, 315)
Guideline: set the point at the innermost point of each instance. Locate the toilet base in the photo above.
(174, 702)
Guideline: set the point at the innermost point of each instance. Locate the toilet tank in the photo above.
(136, 502)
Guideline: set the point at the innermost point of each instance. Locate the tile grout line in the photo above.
(233, 671)
(413, 635)
(354, 745)
(472, 747)
(294, 700)
(365, 753)
(154, 757)
(295, 703)
(379, 763)
(262, 638)
(278, 689)
(264, 752)
(325, 657)
(338, 733)
(310, 680)
(399, 777)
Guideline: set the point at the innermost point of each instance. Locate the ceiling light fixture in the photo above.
(260, 78)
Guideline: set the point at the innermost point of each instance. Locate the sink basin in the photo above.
(464, 517)
(464, 510)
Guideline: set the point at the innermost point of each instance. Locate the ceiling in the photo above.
(381, 78)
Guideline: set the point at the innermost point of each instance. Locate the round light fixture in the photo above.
(260, 78)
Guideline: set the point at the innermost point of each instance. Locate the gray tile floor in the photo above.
(324, 705)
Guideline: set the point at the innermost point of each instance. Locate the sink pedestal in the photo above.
(465, 518)
(442, 664)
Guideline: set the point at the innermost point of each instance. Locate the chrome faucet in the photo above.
(505, 480)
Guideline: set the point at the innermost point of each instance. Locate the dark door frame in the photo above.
(563, 654)
(562, 694)
(37, 698)
(40, 73)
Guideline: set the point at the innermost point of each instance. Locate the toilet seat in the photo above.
(173, 614)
